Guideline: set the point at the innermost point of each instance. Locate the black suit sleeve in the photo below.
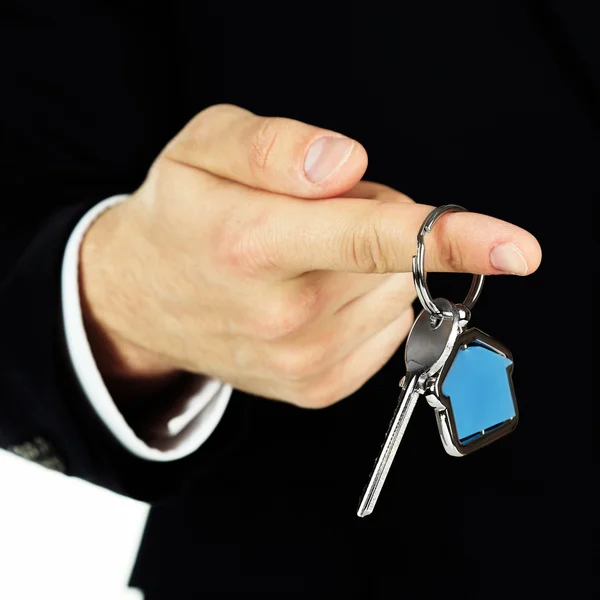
(87, 103)
(40, 396)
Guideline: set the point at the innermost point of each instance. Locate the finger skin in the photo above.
(353, 371)
(266, 153)
(358, 320)
(288, 237)
(370, 236)
(229, 250)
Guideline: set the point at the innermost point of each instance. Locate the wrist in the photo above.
(129, 370)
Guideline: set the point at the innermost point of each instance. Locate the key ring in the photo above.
(418, 268)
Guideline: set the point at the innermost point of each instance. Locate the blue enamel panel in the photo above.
(479, 389)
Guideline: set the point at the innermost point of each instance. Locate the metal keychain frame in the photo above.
(420, 277)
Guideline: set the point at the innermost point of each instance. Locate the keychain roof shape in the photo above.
(475, 391)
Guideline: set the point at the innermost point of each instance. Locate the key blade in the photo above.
(406, 405)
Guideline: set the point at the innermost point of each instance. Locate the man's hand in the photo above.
(253, 253)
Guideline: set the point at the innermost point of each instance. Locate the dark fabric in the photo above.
(492, 105)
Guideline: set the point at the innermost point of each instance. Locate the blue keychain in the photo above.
(464, 374)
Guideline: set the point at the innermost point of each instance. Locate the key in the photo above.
(406, 404)
(429, 343)
(464, 374)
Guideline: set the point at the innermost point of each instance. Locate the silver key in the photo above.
(441, 358)
(429, 343)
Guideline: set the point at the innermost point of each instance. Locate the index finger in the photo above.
(366, 236)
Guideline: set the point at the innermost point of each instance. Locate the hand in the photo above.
(253, 253)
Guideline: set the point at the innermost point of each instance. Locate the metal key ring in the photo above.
(418, 267)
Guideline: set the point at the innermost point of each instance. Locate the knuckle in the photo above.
(366, 245)
(305, 303)
(201, 122)
(221, 107)
(451, 254)
(161, 171)
(207, 114)
(289, 314)
(262, 141)
(279, 319)
(203, 125)
(320, 396)
(273, 324)
(299, 364)
(243, 254)
(204, 115)
(244, 248)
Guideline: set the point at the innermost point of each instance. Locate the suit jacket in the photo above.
(491, 105)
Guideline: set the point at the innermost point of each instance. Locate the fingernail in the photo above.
(326, 156)
(508, 258)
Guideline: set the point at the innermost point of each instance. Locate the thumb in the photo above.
(269, 153)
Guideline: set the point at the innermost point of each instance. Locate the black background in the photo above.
(491, 105)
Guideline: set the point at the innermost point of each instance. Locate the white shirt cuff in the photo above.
(185, 423)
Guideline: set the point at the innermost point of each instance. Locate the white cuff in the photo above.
(186, 422)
